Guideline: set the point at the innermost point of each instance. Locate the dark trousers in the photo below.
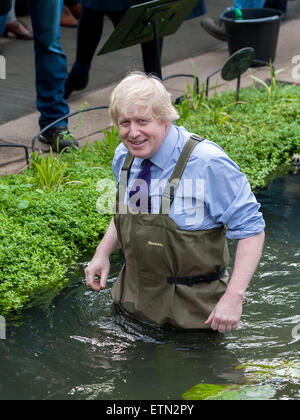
(5, 7)
(89, 33)
(277, 4)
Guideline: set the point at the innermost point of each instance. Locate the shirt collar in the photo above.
(162, 156)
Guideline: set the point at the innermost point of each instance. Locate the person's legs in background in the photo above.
(74, 7)
(5, 7)
(2, 24)
(50, 69)
(68, 17)
(249, 4)
(87, 42)
(150, 64)
(21, 8)
(199, 10)
(277, 4)
(15, 26)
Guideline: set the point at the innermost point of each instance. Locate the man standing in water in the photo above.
(179, 197)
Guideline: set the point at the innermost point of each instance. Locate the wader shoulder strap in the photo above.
(128, 162)
(174, 180)
(123, 181)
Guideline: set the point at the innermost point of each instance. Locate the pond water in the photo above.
(79, 348)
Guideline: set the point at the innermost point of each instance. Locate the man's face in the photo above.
(141, 133)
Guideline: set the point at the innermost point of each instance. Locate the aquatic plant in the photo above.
(49, 171)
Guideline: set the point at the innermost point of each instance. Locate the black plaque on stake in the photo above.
(234, 67)
(147, 22)
(238, 63)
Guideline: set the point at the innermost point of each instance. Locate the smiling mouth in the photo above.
(136, 143)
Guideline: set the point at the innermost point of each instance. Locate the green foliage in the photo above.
(260, 133)
(111, 138)
(49, 171)
(79, 121)
(43, 228)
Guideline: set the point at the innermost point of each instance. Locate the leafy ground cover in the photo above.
(48, 214)
(260, 133)
(44, 228)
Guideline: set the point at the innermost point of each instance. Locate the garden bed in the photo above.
(48, 215)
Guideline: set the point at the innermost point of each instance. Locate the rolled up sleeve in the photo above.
(230, 200)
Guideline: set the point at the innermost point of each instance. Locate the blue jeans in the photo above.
(199, 10)
(50, 61)
(245, 4)
(2, 24)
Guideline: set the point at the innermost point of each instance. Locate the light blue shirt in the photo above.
(213, 191)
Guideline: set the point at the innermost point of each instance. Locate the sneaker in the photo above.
(214, 27)
(55, 137)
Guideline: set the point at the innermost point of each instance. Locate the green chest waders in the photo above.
(171, 276)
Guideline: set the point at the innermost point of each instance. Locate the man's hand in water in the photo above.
(96, 273)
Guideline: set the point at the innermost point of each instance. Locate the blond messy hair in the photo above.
(138, 89)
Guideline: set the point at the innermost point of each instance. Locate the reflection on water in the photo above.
(79, 348)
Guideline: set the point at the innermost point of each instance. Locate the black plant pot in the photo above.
(259, 29)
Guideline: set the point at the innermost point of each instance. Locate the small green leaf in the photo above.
(23, 204)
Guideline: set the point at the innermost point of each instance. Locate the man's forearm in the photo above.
(97, 271)
(247, 257)
(109, 242)
(228, 311)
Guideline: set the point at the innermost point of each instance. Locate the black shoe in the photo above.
(75, 82)
(214, 27)
(59, 138)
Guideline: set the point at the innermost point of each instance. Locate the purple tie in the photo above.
(145, 175)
